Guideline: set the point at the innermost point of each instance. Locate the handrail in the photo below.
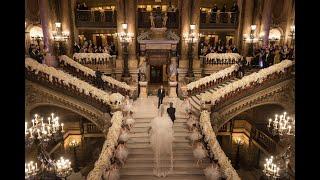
(210, 18)
(67, 84)
(89, 75)
(210, 137)
(109, 146)
(249, 82)
(213, 80)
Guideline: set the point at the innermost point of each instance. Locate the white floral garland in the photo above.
(225, 57)
(69, 79)
(91, 72)
(213, 77)
(90, 56)
(210, 137)
(245, 81)
(108, 148)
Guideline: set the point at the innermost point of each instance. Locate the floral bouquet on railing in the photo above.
(68, 79)
(213, 77)
(91, 56)
(210, 137)
(257, 77)
(104, 160)
(116, 100)
(89, 71)
(224, 58)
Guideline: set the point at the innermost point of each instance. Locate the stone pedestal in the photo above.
(173, 89)
(143, 89)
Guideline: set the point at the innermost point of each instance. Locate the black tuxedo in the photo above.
(161, 95)
(267, 59)
(171, 111)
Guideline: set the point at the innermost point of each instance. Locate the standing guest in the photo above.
(76, 48)
(234, 10)
(234, 49)
(171, 112)
(161, 95)
(224, 14)
(99, 81)
(267, 58)
(33, 54)
(277, 55)
(129, 120)
(214, 11)
(261, 64)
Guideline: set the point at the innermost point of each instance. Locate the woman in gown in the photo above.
(124, 135)
(112, 173)
(129, 120)
(199, 153)
(212, 172)
(191, 122)
(121, 153)
(161, 138)
(195, 135)
(127, 107)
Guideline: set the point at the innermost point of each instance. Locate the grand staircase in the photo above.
(195, 100)
(140, 161)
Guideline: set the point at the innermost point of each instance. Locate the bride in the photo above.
(161, 138)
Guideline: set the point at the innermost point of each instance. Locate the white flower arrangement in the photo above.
(226, 167)
(69, 79)
(259, 77)
(108, 148)
(91, 72)
(213, 77)
(90, 56)
(224, 57)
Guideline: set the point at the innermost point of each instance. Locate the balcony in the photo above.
(221, 20)
(97, 19)
(144, 20)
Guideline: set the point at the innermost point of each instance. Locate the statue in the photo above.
(152, 20)
(173, 70)
(142, 68)
(165, 18)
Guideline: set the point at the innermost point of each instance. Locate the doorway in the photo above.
(156, 74)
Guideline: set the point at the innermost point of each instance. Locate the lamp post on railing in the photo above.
(190, 38)
(292, 34)
(271, 170)
(63, 168)
(74, 145)
(125, 39)
(59, 37)
(31, 170)
(253, 29)
(239, 143)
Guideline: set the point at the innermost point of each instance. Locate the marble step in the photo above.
(176, 163)
(149, 171)
(147, 139)
(186, 151)
(145, 129)
(169, 177)
(145, 134)
(177, 145)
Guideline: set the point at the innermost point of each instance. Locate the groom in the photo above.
(161, 95)
(172, 111)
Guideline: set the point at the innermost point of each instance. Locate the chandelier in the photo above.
(43, 131)
(125, 36)
(31, 169)
(282, 125)
(58, 35)
(271, 169)
(63, 168)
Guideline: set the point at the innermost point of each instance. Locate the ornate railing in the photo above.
(218, 20)
(105, 159)
(55, 83)
(252, 87)
(212, 81)
(88, 75)
(145, 22)
(100, 60)
(212, 143)
(104, 18)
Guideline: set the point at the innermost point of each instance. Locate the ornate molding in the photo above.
(281, 94)
(37, 95)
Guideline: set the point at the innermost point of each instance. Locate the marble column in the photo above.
(184, 9)
(120, 20)
(289, 8)
(247, 21)
(195, 19)
(46, 25)
(266, 21)
(74, 29)
(131, 10)
(239, 32)
(66, 24)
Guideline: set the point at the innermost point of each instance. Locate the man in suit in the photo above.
(267, 58)
(99, 81)
(172, 111)
(161, 95)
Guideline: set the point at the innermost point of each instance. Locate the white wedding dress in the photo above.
(161, 138)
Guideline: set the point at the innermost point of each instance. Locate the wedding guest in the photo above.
(129, 120)
(112, 173)
(124, 134)
(195, 135)
(214, 11)
(199, 153)
(121, 153)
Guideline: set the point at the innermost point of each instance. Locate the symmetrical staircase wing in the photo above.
(87, 74)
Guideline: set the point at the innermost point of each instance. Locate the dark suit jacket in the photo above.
(171, 111)
(161, 95)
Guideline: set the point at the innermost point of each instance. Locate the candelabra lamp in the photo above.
(58, 34)
(282, 125)
(271, 170)
(125, 39)
(190, 38)
(31, 170)
(73, 145)
(239, 143)
(63, 168)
